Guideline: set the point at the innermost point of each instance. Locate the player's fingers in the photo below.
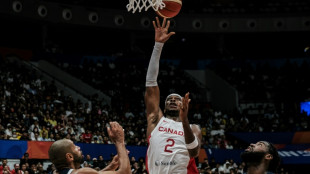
(116, 157)
(109, 131)
(187, 96)
(168, 24)
(118, 126)
(113, 126)
(154, 24)
(171, 33)
(164, 23)
(158, 23)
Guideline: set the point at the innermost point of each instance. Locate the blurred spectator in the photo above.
(17, 170)
(35, 125)
(5, 170)
(88, 160)
(40, 168)
(205, 164)
(87, 137)
(34, 132)
(9, 131)
(101, 162)
(4, 165)
(33, 169)
(95, 163)
(25, 160)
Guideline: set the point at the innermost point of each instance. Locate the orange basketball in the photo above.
(172, 8)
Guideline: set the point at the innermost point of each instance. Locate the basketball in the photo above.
(172, 8)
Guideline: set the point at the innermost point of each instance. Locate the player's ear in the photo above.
(69, 156)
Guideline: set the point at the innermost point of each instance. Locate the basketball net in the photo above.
(134, 5)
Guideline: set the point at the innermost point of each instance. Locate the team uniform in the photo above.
(167, 152)
(66, 171)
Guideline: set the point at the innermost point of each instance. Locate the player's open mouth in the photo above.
(173, 105)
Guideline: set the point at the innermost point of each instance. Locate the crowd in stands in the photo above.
(283, 85)
(277, 81)
(32, 109)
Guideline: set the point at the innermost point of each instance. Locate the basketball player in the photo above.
(173, 142)
(67, 157)
(261, 157)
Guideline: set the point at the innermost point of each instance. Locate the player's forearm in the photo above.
(124, 164)
(152, 90)
(110, 167)
(190, 139)
(188, 133)
(153, 68)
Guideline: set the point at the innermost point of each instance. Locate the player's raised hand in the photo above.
(184, 107)
(116, 132)
(161, 30)
(115, 161)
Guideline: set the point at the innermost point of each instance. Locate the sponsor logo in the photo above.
(171, 131)
(164, 163)
(291, 153)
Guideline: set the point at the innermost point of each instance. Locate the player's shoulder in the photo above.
(84, 170)
(196, 129)
(197, 126)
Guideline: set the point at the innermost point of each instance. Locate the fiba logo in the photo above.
(157, 163)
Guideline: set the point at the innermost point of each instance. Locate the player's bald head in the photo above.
(57, 152)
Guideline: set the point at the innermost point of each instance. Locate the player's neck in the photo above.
(74, 166)
(260, 169)
(177, 119)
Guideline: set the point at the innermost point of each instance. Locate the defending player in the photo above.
(67, 157)
(260, 158)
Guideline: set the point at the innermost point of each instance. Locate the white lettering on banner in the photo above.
(294, 153)
(304, 153)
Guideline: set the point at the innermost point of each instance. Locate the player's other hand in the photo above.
(116, 132)
(115, 161)
(184, 107)
(161, 30)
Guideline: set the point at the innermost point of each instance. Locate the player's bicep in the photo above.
(197, 132)
(85, 170)
(152, 103)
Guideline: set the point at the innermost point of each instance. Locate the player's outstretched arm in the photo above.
(152, 94)
(116, 133)
(192, 133)
(121, 161)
